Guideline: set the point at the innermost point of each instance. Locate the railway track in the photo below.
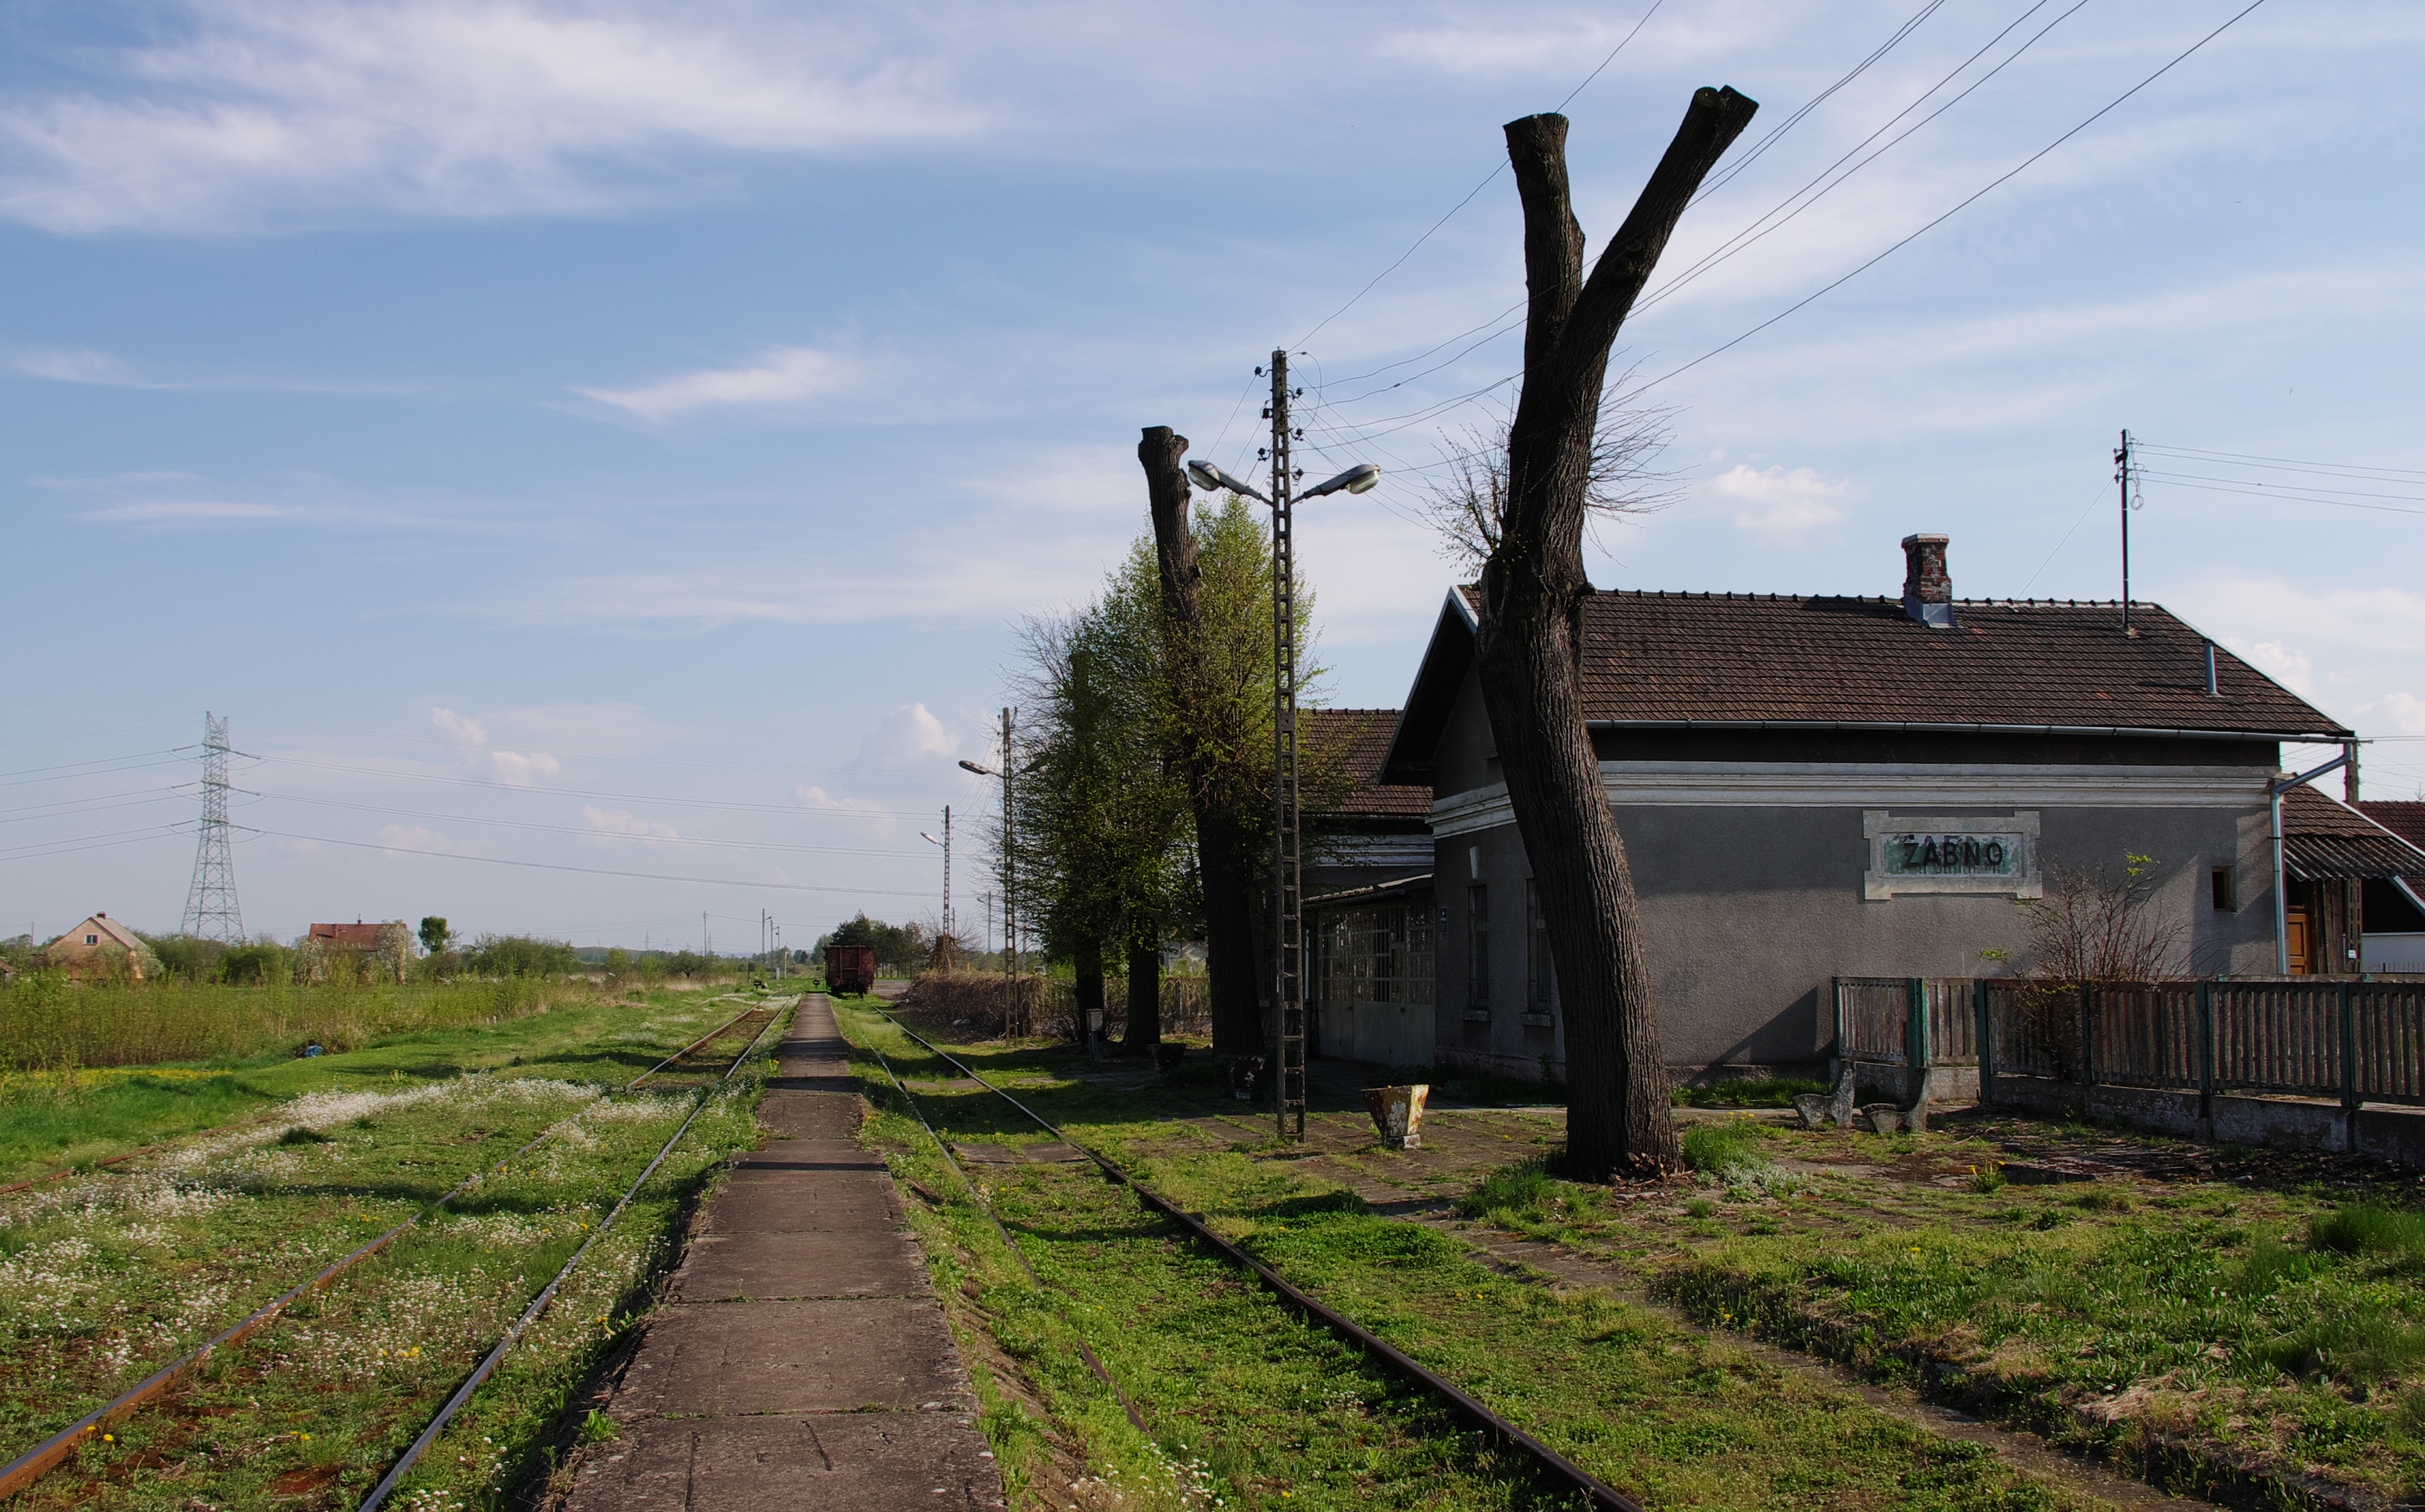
(28, 1468)
(1553, 1465)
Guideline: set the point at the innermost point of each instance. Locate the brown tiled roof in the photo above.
(359, 936)
(2405, 820)
(1759, 658)
(2324, 838)
(1366, 733)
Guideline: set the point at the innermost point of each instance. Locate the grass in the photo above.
(1246, 1406)
(1766, 1092)
(48, 1023)
(2229, 1340)
(1731, 1152)
(49, 1120)
(108, 1276)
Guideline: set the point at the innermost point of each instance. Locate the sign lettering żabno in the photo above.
(1982, 855)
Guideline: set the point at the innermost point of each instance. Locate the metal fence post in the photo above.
(2349, 1094)
(1987, 1033)
(2087, 1035)
(2205, 1049)
(1836, 1040)
(1914, 1030)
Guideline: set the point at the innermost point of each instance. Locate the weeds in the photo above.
(1730, 1151)
(2364, 1229)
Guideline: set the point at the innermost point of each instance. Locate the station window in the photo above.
(1540, 976)
(1477, 946)
(2226, 891)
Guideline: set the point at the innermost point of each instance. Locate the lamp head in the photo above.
(928, 838)
(1213, 480)
(1356, 480)
(982, 772)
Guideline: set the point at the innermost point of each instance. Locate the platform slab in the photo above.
(726, 1359)
(856, 1261)
(865, 1462)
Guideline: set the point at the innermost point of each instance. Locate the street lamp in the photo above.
(945, 842)
(1288, 968)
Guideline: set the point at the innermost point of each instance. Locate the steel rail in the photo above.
(1600, 1494)
(538, 1304)
(712, 1035)
(1086, 1351)
(45, 1457)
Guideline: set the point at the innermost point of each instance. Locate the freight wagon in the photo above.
(850, 968)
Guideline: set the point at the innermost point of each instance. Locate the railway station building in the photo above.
(1822, 786)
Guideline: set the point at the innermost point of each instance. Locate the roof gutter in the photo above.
(1919, 727)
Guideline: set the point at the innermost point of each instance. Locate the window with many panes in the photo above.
(1540, 975)
(1477, 946)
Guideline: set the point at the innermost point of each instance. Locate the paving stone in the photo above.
(721, 1360)
(850, 1261)
(806, 1155)
(811, 1115)
(864, 1462)
(796, 1203)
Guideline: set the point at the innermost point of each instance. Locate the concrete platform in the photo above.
(869, 1461)
(802, 1362)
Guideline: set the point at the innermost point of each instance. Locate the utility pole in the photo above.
(947, 877)
(1288, 933)
(2122, 477)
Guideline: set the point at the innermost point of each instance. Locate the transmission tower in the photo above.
(212, 912)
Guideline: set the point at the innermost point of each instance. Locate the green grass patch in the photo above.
(1731, 1152)
(1766, 1092)
(1246, 1402)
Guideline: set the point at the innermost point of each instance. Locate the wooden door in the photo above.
(2299, 940)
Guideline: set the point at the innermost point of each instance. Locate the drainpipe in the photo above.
(2273, 792)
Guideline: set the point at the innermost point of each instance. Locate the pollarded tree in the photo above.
(1528, 648)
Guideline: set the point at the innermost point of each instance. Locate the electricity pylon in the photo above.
(212, 912)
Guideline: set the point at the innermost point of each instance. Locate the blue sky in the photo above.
(624, 437)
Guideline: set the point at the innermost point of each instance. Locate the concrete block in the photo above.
(720, 1359)
(795, 1203)
(807, 1116)
(866, 1462)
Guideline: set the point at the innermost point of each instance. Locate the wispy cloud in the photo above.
(280, 110)
(83, 365)
(784, 376)
(1781, 503)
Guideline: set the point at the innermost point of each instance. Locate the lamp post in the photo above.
(1287, 934)
(1014, 1018)
(946, 843)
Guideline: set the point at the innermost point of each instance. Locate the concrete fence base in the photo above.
(2386, 1132)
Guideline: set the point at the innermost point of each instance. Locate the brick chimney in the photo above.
(1927, 591)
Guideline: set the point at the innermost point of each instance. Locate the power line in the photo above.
(2258, 491)
(1966, 204)
(1759, 229)
(2276, 464)
(582, 792)
(1486, 179)
(1815, 102)
(590, 834)
(596, 871)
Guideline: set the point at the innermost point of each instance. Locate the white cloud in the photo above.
(189, 510)
(2353, 651)
(462, 729)
(906, 734)
(1784, 503)
(261, 109)
(82, 365)
(622, 823)
(523, 769)
(783, 375)
(2294, 670)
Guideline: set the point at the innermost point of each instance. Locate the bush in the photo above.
(521, 955)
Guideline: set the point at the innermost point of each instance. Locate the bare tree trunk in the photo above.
(1221, 840)
(1533, 589)
(1144, 1028)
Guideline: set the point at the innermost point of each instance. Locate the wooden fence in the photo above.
(2359, 1042)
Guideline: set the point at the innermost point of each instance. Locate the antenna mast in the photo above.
(212, 912)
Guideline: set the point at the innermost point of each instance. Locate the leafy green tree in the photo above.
(902, 946)
(435, 935)
(521, 955)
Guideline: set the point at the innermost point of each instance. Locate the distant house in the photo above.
(388, 944)
(2392, 911)
(101, 946)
